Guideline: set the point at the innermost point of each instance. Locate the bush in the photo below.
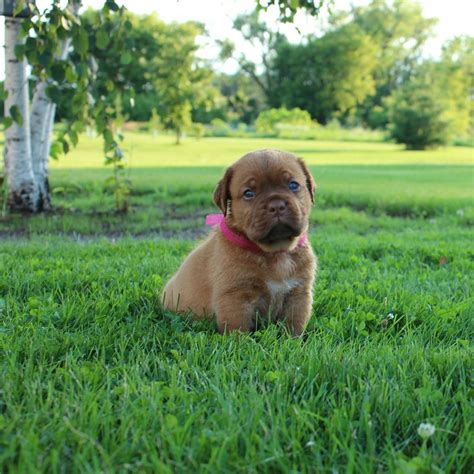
(268, 120)
(219, 128)
(418, 117)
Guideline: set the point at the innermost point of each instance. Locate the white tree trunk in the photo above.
(40, 128)
(43, 111)
(22, 188)
(46, 147)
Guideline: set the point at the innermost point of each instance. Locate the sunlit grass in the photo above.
(145, 151)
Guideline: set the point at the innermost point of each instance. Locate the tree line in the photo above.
(367, 69)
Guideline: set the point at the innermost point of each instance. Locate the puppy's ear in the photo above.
(222, 191)
(309, 179)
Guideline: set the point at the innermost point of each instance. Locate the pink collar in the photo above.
(237, 239)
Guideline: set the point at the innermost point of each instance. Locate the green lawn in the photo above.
(96, 377)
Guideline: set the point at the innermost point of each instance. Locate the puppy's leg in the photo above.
(234, 313)
(297, 311)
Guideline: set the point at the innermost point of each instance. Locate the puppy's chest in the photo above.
(279, 281)
(278, 290)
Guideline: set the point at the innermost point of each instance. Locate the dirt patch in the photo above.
(13, 234)
(191, 233)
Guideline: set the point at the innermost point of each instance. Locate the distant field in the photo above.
(145, 151)
(96, 377)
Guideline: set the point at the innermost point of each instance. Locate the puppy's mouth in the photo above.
(279, 233)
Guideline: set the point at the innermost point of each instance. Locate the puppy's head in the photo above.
(267, 196)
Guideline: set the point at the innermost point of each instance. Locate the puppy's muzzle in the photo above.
(279, 232)
(277, 207)
(278, 221)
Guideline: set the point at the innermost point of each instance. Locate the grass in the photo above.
(95, 376)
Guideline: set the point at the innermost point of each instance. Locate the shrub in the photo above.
(418, 117)
(219, 128)
(268, 120)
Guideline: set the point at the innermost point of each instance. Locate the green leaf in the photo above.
(26, 25)
(57, 71)
(32, 56)
(109, 85)
(54, 93)
(65, 145)
(45, 58)
(62, 33)
(20, 51)
(74, 137)
(81, 42)
(3, 92)
(70, 74)
(7, 122)
(101, 39)
(55, 150)
(108, 137)
(16, 115)
(31, 43)
(19, 6)
(126, 58)
(78, 126)
(111, 5)
(82, 70)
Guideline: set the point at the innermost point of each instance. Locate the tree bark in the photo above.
(40, 129)
(43, 111)
(22, 187)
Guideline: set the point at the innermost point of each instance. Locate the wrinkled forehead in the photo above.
(265, 168)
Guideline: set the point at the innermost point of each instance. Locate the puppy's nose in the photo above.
(276, 207)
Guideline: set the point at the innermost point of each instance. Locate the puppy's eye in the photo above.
(293, 186)
(249, 194)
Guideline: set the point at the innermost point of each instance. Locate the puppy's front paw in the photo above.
(226, 324)
(232, 316)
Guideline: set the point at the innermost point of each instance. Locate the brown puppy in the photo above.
(266, 197)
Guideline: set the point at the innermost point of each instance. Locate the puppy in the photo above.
(257, 263)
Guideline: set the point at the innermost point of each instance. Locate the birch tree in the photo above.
(23, 190)
(46, 40)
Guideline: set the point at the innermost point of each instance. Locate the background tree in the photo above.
(184, 81)
(258, 36)
(397, 30)
(237, 100)
(435, 105)
(455, 72)
(327, 76)
(159, 69)
(418, 118)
